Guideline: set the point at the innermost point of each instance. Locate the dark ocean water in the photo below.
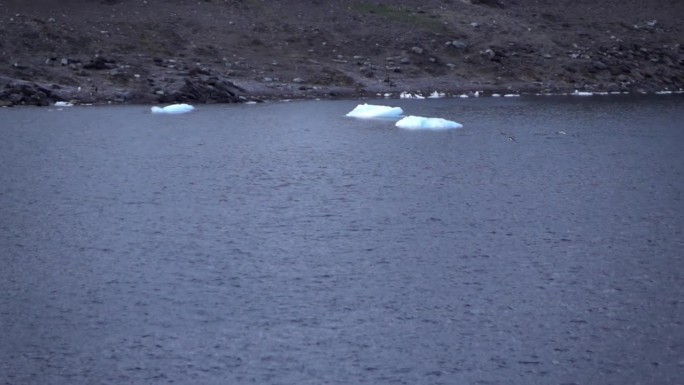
(284, 243)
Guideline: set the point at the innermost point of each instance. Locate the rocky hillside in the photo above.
(144, 51)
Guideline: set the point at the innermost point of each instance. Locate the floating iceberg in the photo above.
(369, 111)
(421, 123)
(173, 109)
(436, 95)
(63, 104)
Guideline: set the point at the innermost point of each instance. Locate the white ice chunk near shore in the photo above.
(369, 111)
(422, 123)
(173, 109)
(63, 104)
(408, 95)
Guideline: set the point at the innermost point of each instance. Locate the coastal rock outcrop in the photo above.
(204, 89)
(14, 92)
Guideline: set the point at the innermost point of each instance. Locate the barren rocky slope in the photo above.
(144, 51)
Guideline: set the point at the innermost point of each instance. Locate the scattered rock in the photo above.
(600, 66)
(612, 87)
(487, 3)
(198, 70)
(417, 50)
(120, 75)
(458, 44)
(367, 71)
(99, 63)
(493, 55)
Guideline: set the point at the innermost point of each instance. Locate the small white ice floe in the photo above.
(63, 104)
(369, 111)
(436, 95)
(582, 93)
(408, 95)
(663, 92)
(173, 109)
(511, 96)
(421, 123)
(496, 95)
(463, 96)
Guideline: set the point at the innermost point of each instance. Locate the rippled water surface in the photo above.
(283, 243)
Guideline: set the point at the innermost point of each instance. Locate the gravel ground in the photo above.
(146, 51)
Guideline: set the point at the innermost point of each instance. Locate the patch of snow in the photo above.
(422, 123)
(63, 104)
(173, 109)
(369, 111)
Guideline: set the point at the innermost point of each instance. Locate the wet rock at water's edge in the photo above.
(18, 92)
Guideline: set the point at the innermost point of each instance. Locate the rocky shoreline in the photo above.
(127, 51)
